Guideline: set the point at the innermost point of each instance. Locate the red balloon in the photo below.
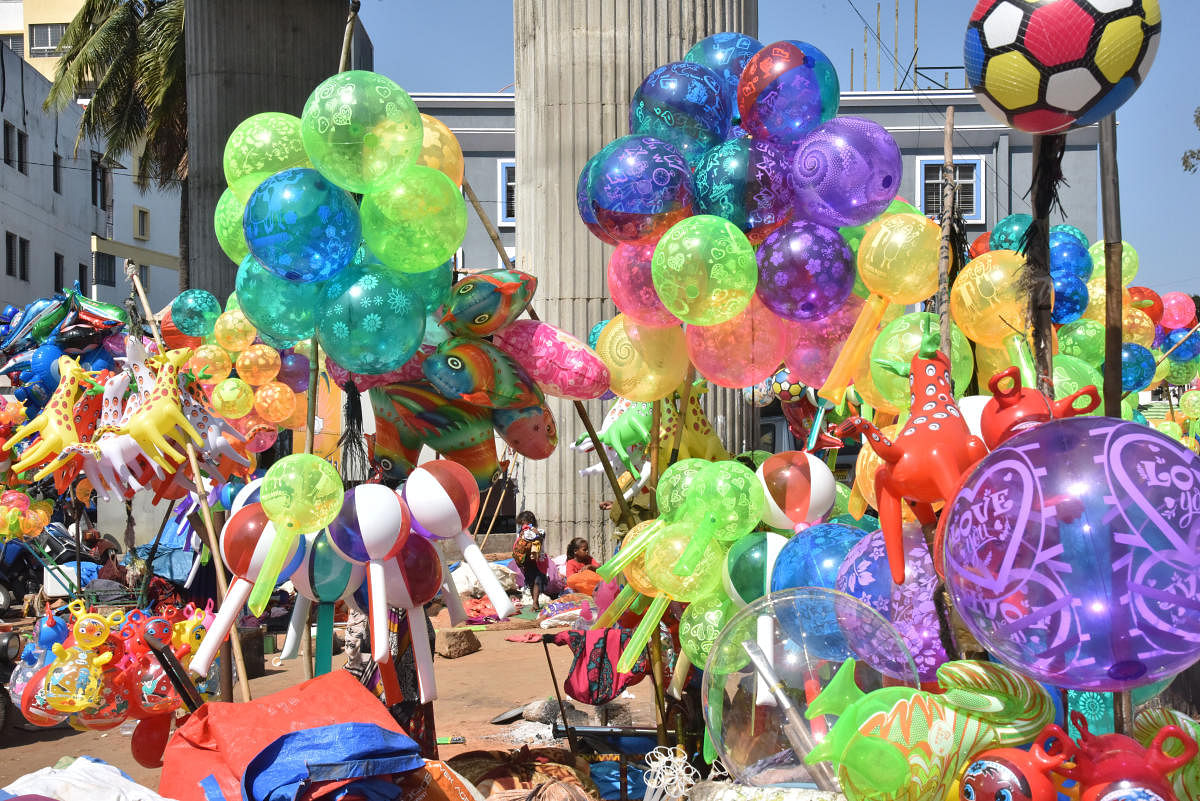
(150, 740)
(980, 245)
(1148, 301)
(422, 569)
(459, 484)
(240, 537)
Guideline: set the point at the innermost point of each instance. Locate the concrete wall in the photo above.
(38, 12)
(162, 284)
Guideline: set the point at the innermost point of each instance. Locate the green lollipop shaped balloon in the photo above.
(227, 222)
(725, 502)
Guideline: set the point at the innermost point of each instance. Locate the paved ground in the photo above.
(472, 689)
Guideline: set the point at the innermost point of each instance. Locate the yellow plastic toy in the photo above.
(74, 681)
(162, 412)
(56, 424)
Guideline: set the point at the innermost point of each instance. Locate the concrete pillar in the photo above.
(578, 63)
(244, 58)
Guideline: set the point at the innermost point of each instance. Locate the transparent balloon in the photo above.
(704, 270)
(417, 223)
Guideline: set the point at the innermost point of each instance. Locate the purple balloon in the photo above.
(805, 271)
(639, 187)
(865, 574)
(294, 371)
(1072, 553)
(912, 609)
(846, 172)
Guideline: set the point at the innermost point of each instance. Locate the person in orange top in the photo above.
(581, 567)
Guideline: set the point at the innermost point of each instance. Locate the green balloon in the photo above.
(899, 341)
(660, 562)
(232, 303)
(841, 500)
(1189, 404)
(361, 130)
(1083, 339)
(1072, 374)
(368, 321)
(853, 234)
(259, 147)
(731, 498)
(755, 458)
(418, 223)
(1182, 373)
(1170, 428)
(704, 270)
(227, 220)
(1131, 412)
(674, 483)
(301, 493)
(700, 624)
(1129, 261)
(283, 310)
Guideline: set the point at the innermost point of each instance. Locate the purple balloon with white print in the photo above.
(805, 271)
(846, 172)
(1072, 553)
(913, 612)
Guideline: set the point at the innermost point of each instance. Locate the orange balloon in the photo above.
(440, 149)
(1137, 327)
(258, 364)
(211, 362)
(274, 402)
(298, 419)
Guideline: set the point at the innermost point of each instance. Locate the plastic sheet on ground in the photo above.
(85, 779)
(465, 581)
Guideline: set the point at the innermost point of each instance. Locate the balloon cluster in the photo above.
(22, 516)
(99, 671)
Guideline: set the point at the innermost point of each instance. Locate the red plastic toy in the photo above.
(1112, 766)
(1018, 408)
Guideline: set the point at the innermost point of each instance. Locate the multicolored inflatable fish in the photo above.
(530, 431)
(469, 369)
(410, 415)
(483, 303)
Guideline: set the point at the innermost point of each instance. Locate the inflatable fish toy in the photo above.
(530, 431)
(469, 369)
(483, 303)
(561, 365)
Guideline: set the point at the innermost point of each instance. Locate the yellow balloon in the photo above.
(898, 257)
(645, 364)
(986, 300)
(234, 332)
(232, 398)
(1097, 295)
(1136, 326)
(440, 149)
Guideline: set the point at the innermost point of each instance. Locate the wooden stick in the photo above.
(492, 233)
(1110, 202)
(948, 198)
(657, 676)
(495, 513)
(685, 397)
(348, 37)
(1170, 350)
(486, 498)
(655, 438)
(306, 646)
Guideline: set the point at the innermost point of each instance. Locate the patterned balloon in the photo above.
(741, 351)
(816, 342)
(210, 364)
(846, 172)
(1070, 298)
(561, 365)
(1137, 367)
(704, 270)
(195, 312)
(260, 146)
(480, 373)
(369, 322)
(1185, 343)
(745, 180)
(302, 227)
(257, 365)
(583, 203)
(227, 223)
(1179, 310)
(1071, 552)
(727, 55)
(684, 104)
(361, 129)
(276, 306)
(639, 187)
(1068, 255)
(700, 624)
(483, 303)
(440, 149)
(1009, 231)
(416, 223)
(786, 90)
(894, 348)
(232, 398)
(648, 370)
(913, 612)
(631, 286)
(1083, 339)
(233, 331)
(1129, 260)
(864, 574)
(805, 271)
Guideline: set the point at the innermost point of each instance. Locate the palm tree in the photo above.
(131, 54)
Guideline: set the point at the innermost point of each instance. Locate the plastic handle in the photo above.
(641, 635)
(1017, 350)
(296, 624)
(483, 572)
(629, 551)
(324, 657)
(613, 611)
(417, 632)
(277, 553)
(235, 599)
(683, 665)
(764, 634)
(377, 593)
(454, 605)
(855, 349)
(685, 565)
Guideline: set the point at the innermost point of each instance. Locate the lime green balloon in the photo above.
(1131, 412)
(1189, 404)
(1170, 428)
(1181, 374)
(755, 458)
(659, 565)
(1083, 339)
(673, 485)
(1072, 374)
(232, 303)
(853, 234)
(899, 341)
(227, 222)
(841, 500)
(259, 147)
(700, 624)
(1129, 261)
(730, 497)
(301, 493)
(704, 270)
(1162, 366)
(417, 224)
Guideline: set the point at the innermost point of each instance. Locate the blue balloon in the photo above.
(594, 334)
(301, 226)
(1137, 367)
(1068, 256)
(1070, 298)
(280, 309)
(583, 202)
(685, 104)
(745, 181)
(725, 54)
(639, 186)
(813, 556)
(1069, 230)
(1186, 347)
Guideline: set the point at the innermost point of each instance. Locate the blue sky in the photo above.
(466, 45)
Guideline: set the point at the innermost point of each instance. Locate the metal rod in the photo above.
(562, 708)
(1110, 205)
(896, 50)
(145, 588)
(948, 199)
(878, 43)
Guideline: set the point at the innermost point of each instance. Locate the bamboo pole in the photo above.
(655, 438)
(205, 512)
(949, 189)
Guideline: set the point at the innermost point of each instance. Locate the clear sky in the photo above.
(466, 45)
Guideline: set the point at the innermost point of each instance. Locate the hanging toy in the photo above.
(1019, 408)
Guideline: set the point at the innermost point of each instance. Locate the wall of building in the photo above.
(162, 284)
(38, 12)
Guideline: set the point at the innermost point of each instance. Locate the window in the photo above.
(10, 254)
(23, 258)
(144, 275)
(968, 200)
(10, 144)
(56, 174)
(60, 273)
(44, 39)
(99, 182)
(106, 269)
(22, 151)
(141, 223)
(14, 42)
(508, 192)
(83, 279)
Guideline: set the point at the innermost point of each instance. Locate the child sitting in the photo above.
(581, 567)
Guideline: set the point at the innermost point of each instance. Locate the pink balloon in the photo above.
(817, 343)
(742, 351)
(409, 371)
(561, 365)
(1178, 310)
(632, 288)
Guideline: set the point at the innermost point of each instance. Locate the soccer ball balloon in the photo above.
(1047, 66)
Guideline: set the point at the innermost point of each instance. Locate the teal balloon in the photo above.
(195, 312)
(285, 311)
(276, 342)
(431, 286)
(369, 321)
(1009, 232)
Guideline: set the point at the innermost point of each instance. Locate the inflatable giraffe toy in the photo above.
(55, 426)
(928, 459)
(162, 412)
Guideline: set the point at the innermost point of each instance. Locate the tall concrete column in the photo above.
(578, 63)
(244, 58)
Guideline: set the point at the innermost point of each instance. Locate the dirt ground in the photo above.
(472, 690)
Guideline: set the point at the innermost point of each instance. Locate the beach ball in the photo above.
(638, 187)
(1047, 66)
(799, 488)
(786, 90)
